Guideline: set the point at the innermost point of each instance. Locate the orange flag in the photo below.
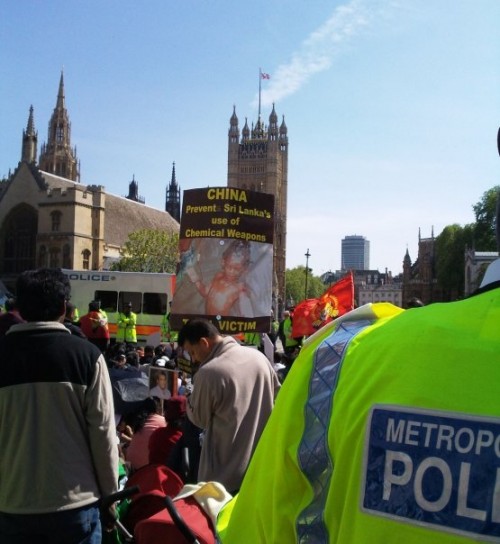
(311, 314)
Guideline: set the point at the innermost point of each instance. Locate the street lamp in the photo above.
(307, 270)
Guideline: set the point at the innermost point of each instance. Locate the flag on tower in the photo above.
(265, 76)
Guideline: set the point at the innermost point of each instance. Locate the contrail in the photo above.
(317, 52)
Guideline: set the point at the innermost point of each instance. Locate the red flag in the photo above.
(265, 76)
(312, 314)
(302, 318)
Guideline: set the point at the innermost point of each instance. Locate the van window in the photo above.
(155, 303)
(109, 300)
(130, 296)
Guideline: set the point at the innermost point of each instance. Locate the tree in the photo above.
(450, 249)
(149, 250)
(454, 239)
(295, 285)
(485, 226)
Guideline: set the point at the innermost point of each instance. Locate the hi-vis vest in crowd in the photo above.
(386, 430)
(126, 328)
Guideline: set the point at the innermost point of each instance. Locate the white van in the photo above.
(149, 294)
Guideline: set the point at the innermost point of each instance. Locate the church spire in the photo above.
(57, 156)
(60, 94)
(30, 139)
(173, 199)
(173, 181)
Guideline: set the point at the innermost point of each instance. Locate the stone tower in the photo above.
(56, 156)
(259, 162)
(419, 278)
(30, 139)
(173, 199)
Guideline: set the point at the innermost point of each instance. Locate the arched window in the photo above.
(56, 220)
(86, 259)
(18, 240)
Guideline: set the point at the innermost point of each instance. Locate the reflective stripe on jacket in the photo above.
(387, 430)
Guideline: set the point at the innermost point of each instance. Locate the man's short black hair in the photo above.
(42, 293)
(195, 329)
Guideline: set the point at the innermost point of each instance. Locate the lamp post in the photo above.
(307, 270)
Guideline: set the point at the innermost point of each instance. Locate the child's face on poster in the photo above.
(234, 267)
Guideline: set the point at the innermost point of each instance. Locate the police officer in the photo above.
(167, 334)
(388, 431)
(126, 331)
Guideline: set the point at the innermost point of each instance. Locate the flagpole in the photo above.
(307, 255)
(260, 87)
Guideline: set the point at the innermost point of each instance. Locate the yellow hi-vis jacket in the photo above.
(386, 430)
(126, 331)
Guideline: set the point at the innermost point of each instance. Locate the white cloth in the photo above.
(211, 496)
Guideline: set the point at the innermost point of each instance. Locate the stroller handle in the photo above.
(118, 496)
(107, 501)
(179, 522)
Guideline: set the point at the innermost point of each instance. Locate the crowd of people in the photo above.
(376, 411)
(114, 402)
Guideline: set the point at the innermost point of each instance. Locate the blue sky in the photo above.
(392, 106)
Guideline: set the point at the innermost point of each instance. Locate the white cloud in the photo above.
(317, 51)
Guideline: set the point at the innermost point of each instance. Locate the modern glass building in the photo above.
(355, 253)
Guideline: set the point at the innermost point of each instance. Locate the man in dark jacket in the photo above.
(59, 449)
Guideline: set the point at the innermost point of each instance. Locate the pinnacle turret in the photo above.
(173, 197)
(30, 139)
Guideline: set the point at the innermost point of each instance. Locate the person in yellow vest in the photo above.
(167, 334)
(386, 431)
(253, 339)
(126, 331)
(76, 315)
(288, 342)
(274, 330)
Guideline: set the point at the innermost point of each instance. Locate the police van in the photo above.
(149, 293)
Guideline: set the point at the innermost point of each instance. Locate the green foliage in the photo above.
(149, 250)
(450, 248)
(485, 212)
(295, 284)
(454, 239)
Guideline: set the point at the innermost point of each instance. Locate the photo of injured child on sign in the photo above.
(224, 277)
(225, 270)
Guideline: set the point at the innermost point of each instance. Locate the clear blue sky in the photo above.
(392, 107)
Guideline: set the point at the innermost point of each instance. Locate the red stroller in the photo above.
(153, 518)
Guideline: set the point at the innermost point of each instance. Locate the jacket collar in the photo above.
(38, 326)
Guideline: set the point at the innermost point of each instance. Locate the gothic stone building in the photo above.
(48, 218)
(259, 162)
(419, 278)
